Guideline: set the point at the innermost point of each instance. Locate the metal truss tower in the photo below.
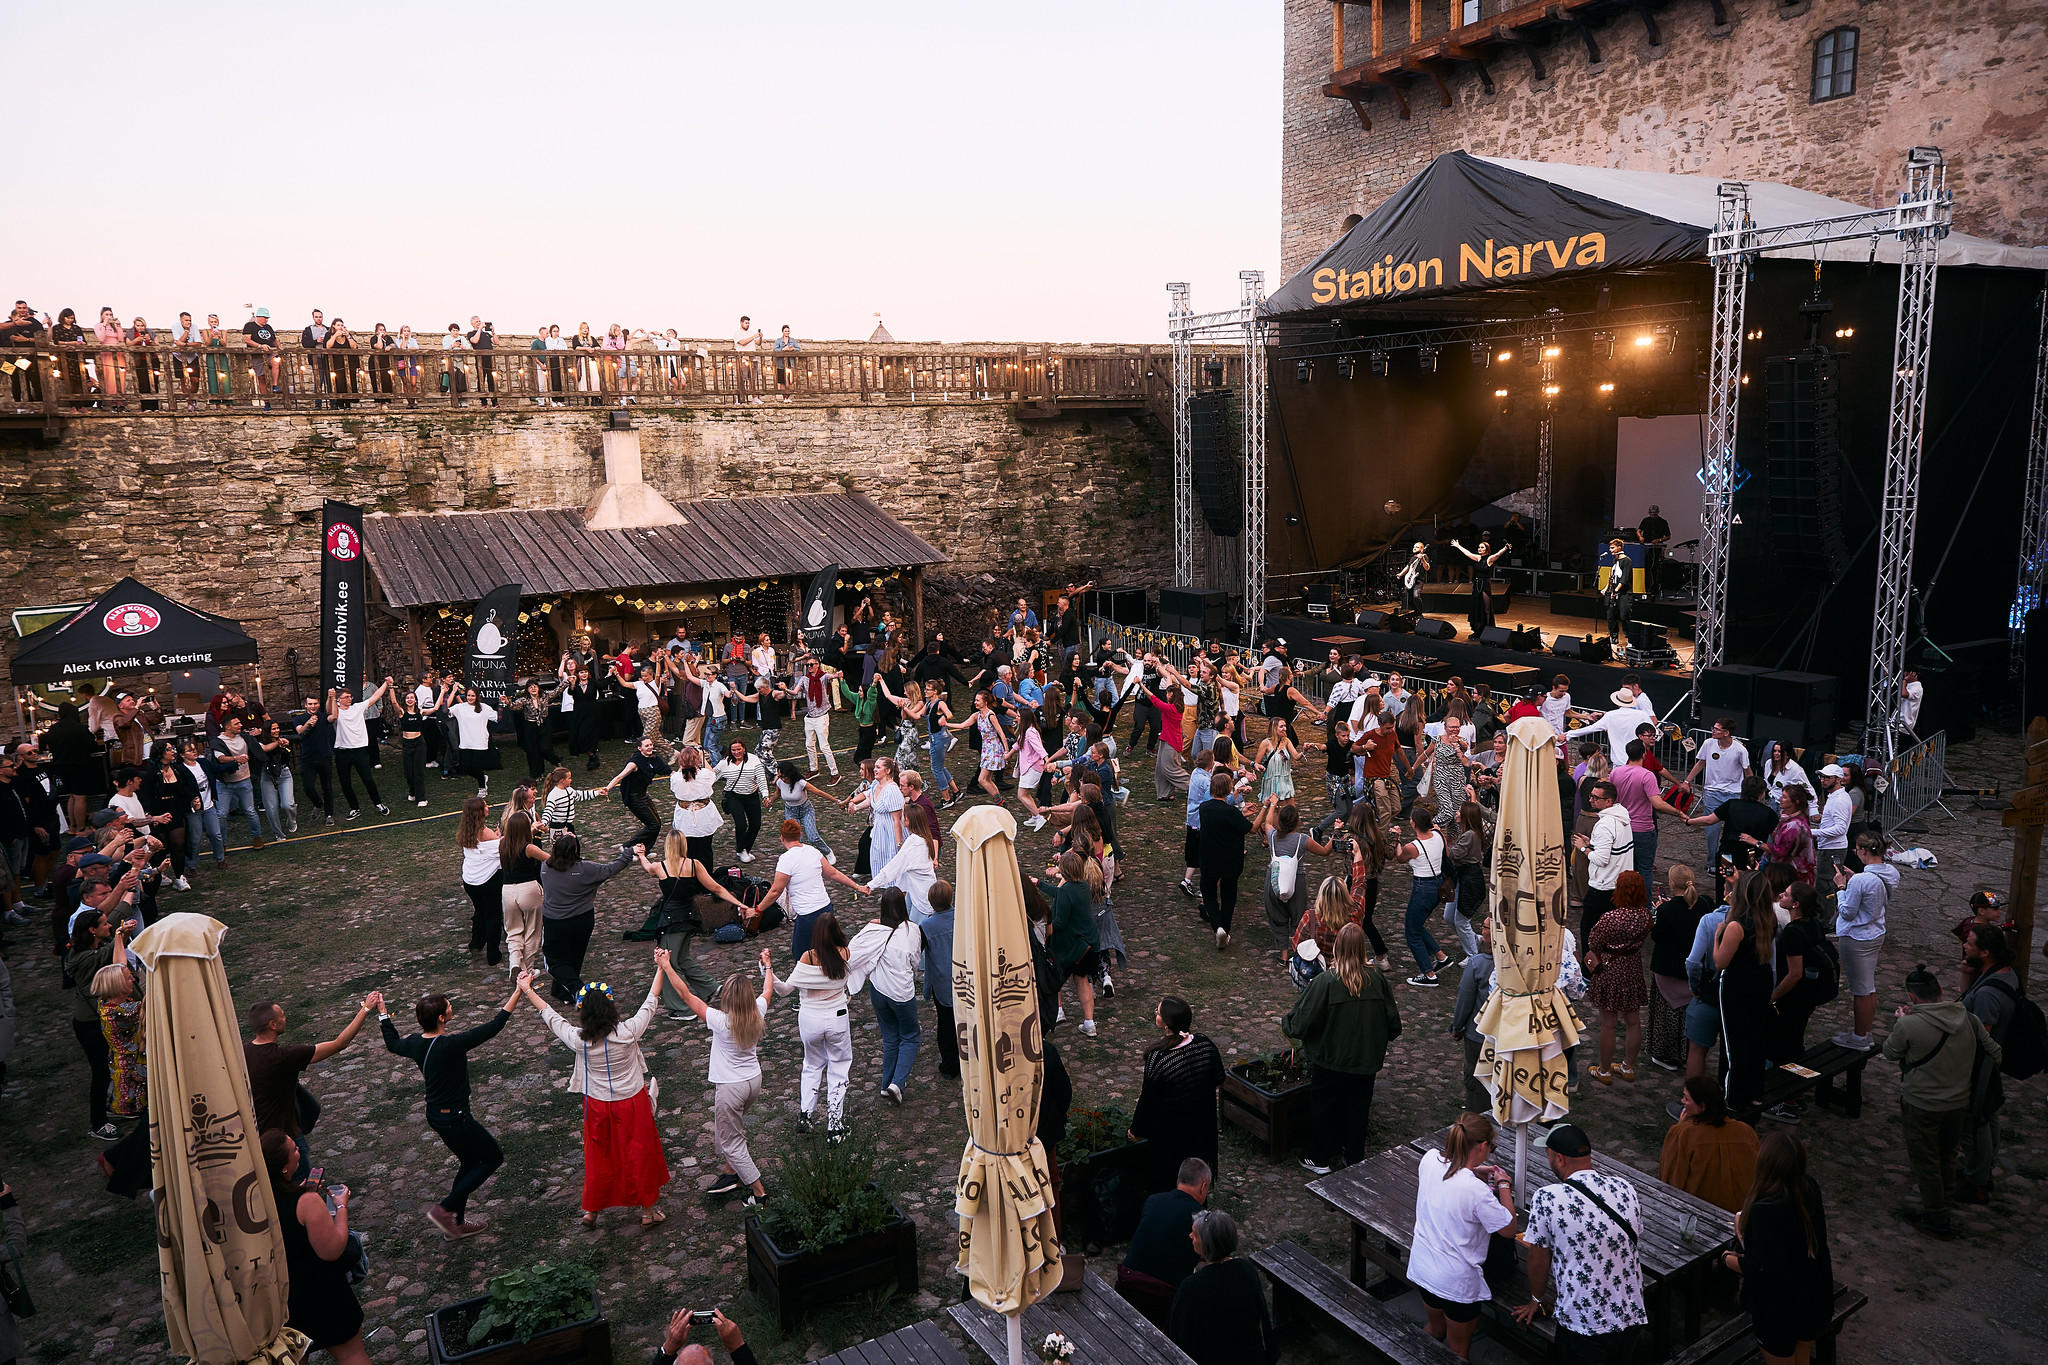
(2034, 511)
(1731, 248)
(1253, 408)
(1178, 334)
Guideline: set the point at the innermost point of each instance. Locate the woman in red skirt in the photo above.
(623, 1165)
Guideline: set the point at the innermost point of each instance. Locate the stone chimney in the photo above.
(627, 500)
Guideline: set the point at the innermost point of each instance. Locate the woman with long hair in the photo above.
(1074, 943)
(914, 867)
(888, 951)
(1274, 761)
(167, 789)
(1344, 1020)
(1370, 854)
(737, 1024)
(1781, 1234)
(825, 980)
(535, 710)
(1792, 841)
(1280, 822)
(796, 792)
(583, 709)
(412, 733)
(885, 804)
(558, 806)
(995, 749)
(519, 896)
(1707, 1154)
(1675, 920)
(677, 918)
(935, 717)
(1798, 961)
(113, 360)
(1176, 1113)
(568, 907)
(643, 766)
(1742, 954)
(693, 783)
(1614, 961)
(315, 1238)
(1466, 859)
(1324, 919)
(623, 1164)
(1460, 1202)
(746, 780)
(481, 877)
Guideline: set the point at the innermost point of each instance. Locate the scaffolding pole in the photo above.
(2034, 511)
(1253, 301)
(1924, 218)
(1177, 333)
(1545, 459)
(1732, 250)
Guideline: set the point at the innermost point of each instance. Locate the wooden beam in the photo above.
(1650, 24)
(1378, 24)
(917, 586)
(1720, 14)
(1427, 68)
(1592, 48)
(1364, 120)
(1472, 55)
(1394, 89)
(1337, 35)
(1414, 21)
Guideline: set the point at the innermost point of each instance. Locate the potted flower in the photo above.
(1101, 1193)
(544, 1314)
(1055, 1350)
(829, 1232)
(1268, 1098)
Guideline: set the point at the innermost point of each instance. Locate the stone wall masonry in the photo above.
(223, 512)
(1968, 76)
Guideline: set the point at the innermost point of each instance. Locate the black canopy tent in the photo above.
(130, 629)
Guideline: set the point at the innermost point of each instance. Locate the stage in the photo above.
(1560, 613)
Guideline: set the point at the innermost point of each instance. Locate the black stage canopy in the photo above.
(130, 629)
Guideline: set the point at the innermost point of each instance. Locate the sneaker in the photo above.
(1107, 987)
(291, 826)
(1859, 1042)
(432, 763)
(1036, 822)
(805, 1123)
(893, 1093)
(1676, 1110)
(1668, 1066)
(182, 884)
(1782, 1113)
(1087, 1028)
(832, 858)
(106, 1132)
(683, 1017)
(1625, 1073)
(470, 1227)
(727, 1183)
(422, 803)
(16, 917)
(1928, 1224)
(355, 815)
(1601, 1074)
(1308, 1163)
(753, 1201)
(745, 856)
(835, 1134)
(1426, 979)
(1188, 889)
(1384, 963)
(383, 809)
(441, 1219)
(1222, 939)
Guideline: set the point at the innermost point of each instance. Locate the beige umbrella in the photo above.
(1527, 1021)
(1008, 1249)
(220, 1250)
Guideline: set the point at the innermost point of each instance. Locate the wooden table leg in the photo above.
(1852, 1088)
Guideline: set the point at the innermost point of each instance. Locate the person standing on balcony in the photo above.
(23, 329)
(785, 366)
(483, 336)
(111, 361)
(747, 341)
(555, 343)
(313, 337)
(260, 337)
(540, 366)
(185, 360)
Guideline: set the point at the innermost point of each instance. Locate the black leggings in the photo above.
(650, 823)
(474, 1147)
(415, 767)
(745, 810)
(699, 846)
(1219, 894)
(486, 912)
(865, 748)
(564, 943)
(357, 762)
(174, 840)
(1372, 932)
(101, 1063)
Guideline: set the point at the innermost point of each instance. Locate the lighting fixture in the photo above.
(1531, 353)
(1482, 355)
(1505, 356)
(1212, 370)
(1844, 333)
(1552, 352)
(1500, 393)
(1304, 370)
(1550, 390)
(1645, 339)
(1347, 366)
(1378, 360)
(1607, 388)
(1426, 358)
(1755, 334)
(1603, 345)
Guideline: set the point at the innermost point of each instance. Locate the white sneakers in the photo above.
(1036, 822)
(1087, 1028)
(745, 856)
(1859, 1042)
(1222, 939)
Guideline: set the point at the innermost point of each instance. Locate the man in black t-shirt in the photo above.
(1655, 533)
(313, 337)
(483, 336)
(261, 338)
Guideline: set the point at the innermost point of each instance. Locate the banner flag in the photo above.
(493, 661)
(816, 620)
(344, 598)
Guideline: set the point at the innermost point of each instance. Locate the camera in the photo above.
(706, 1316)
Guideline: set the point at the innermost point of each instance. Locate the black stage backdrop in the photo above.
(493, 659)
(344, 598)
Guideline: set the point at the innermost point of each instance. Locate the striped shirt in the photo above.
(560, 809)
(745, 778)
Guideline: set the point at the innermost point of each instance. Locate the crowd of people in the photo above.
(1787, 912)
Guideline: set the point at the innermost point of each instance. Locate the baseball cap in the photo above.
(262, 312)
(1833, 770)
(76, 844)
(1567, 1140)
(102, 818)
(94, 860)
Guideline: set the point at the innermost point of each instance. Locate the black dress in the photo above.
(583, 720)
(77, 759)
(1787, 1293)
(1177, 1109)
(1220, 1316)
(322, 1304)
(1480, 614)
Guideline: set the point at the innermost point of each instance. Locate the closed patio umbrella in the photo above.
(220, 1250)
(1526, 1020)
(1008, 1248)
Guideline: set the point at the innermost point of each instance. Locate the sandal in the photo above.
(588, 1220)
(653, 1219)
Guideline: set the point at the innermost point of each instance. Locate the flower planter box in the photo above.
(1276, 1118)
(588, 1342)
(1081, 1217)
(796, 1282)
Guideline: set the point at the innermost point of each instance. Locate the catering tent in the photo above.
(1468, 223)
(129, 629)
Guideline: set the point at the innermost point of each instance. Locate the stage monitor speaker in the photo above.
(1194, 611)
(1527, 639)
(1794, 708)
(1952, 700)
(1371, 618)
(1430, 628)
(1592, 649)
(1647, 636)
(1124, 605)
(1214, 438)
(1730, 687)
(1495, 637)
(1316, 595)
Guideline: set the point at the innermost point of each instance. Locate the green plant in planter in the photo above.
(539, 1298)
(829, 1191)
(1093, 1130)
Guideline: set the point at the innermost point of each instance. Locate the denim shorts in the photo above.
(1702, 1024)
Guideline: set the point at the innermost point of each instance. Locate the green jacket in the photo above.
(1938, 1081)
(1340, 1031)
(865, 703)
(1073, 925)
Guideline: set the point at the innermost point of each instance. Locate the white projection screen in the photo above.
(1657, 460)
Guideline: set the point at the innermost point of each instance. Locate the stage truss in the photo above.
(1244, 326)
(2034, 511)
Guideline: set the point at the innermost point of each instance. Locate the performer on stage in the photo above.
(1412, 576)
(1655, 533)
(1618, 592)
(1481, 614)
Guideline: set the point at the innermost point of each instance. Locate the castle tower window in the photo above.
(1834, 64)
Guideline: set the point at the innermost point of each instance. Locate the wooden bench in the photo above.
(1301, 1282)
(921, 1343)
(1734, 1342)
(1830, 1061)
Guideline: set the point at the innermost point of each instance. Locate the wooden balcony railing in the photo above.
(53, 381)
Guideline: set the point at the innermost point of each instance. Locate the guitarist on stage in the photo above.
(1618, 593)
(1411, 578)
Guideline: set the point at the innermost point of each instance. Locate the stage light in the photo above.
(1646, 339)
(1607, 388)
(1755, 334)
(1551, 390)
(1505, 356)
(1671, 342)
(1500, 393)
(1426, 358)
(1212, 370)
(1531, 353)
(1482, 355)
(1552, 352)
(1304, 370)
(1844, 333)
(1745, 378)
(1379, 364)
(1603, 344)
(1347, 367)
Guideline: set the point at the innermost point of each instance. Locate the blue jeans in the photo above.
(1421, 902)
(714, 729)
(277, 800)
(900, 1035)
(1205, 741)
(205, 824)
(942, 781)
(807, 816)
(1460, 916)
(1646, 855)
(241, 796)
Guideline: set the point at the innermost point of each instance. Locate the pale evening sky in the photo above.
(971, 172)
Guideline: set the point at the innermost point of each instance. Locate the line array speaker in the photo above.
(1194, 611)
(1803, 454)
(1213, 443)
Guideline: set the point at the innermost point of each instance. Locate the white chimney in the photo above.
(626, 499)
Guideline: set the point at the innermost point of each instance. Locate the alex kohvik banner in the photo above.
(344, 598)
(493, 660)
(816, 620)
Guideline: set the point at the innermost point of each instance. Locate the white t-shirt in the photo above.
(130, 806)
(1429, 861)
(1554, 709)
(804, 867)
(1724, 767)
(729, 1061)
(352, 727)
(647, 697)
(473, 725)
(1453, 1220)
(480, 864)
(205, 782)
(1909, 703)
(424, 695)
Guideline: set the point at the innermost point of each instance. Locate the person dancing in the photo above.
(623, 1165)
(736, 1025)
(826, 981)
(443, 1059)
(1480, 615)
(482, 877)
(1412, 578)
(643, 766)
(995, 749)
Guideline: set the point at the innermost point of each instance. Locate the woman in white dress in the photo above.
(885, 803)
(697, 816)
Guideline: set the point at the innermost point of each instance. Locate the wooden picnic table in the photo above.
(1378, 1196)
(1101, 1323)
(921, 1343)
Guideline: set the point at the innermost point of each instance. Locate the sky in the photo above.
(970, 172)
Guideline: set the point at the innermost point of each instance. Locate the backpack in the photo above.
(1827, 984)
(2026, 1035)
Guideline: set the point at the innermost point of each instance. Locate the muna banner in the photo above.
(815, 621)
(344, 598)
(492, 665)
(1467, 223)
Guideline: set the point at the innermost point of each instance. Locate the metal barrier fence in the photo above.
(1912, 781)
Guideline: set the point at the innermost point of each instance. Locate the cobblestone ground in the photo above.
(319, 921)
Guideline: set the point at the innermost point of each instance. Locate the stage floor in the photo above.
(1535, 611)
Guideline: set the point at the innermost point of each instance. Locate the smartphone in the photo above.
(316, 1174)
(707, 1316)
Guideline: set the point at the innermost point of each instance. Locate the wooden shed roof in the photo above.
(429, 558)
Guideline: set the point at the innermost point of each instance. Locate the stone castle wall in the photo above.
(223, 512)
(1969, 77)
